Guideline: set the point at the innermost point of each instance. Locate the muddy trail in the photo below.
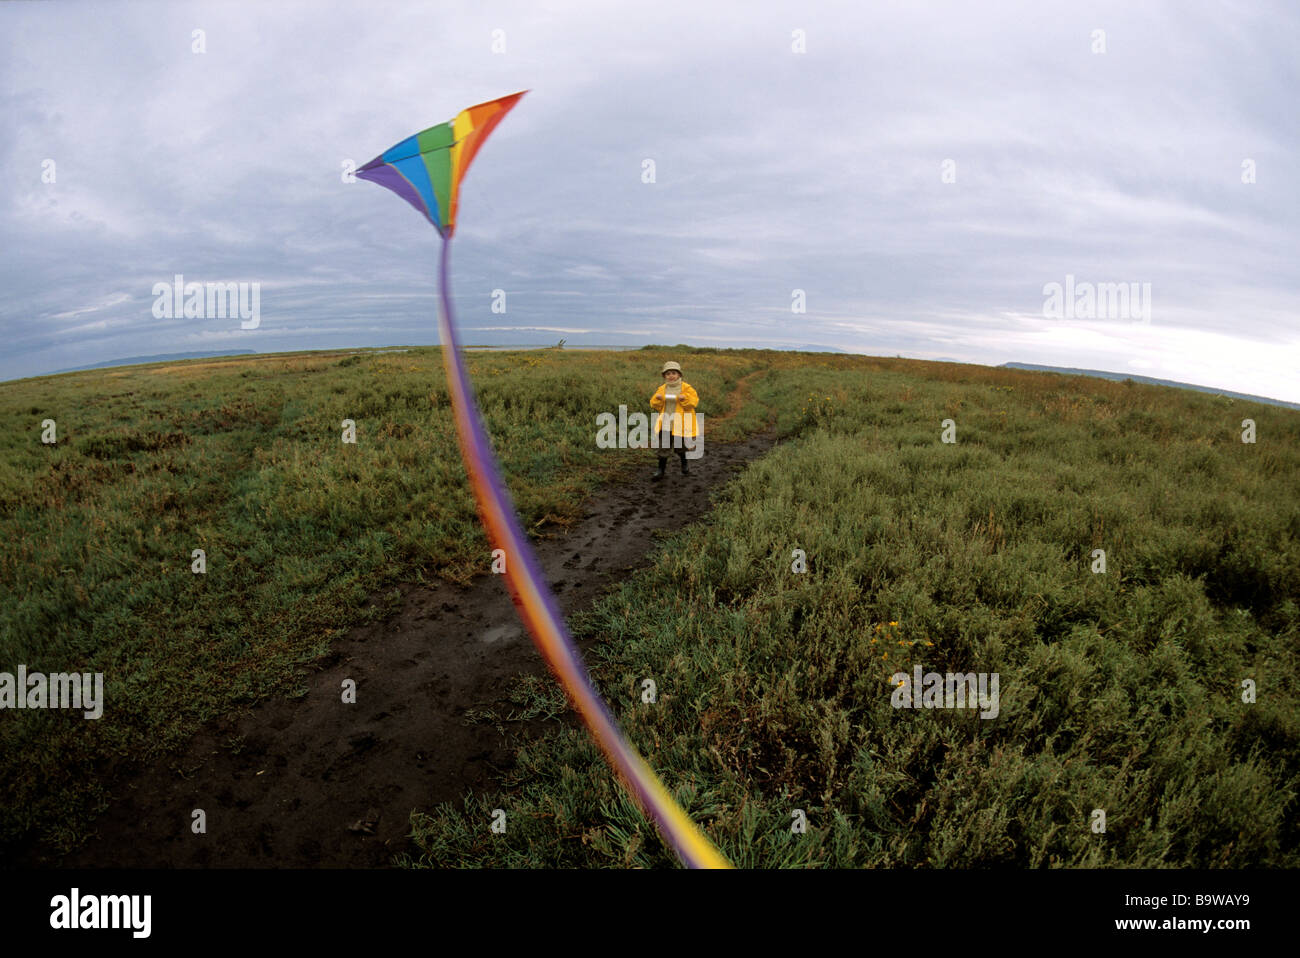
(313, 782)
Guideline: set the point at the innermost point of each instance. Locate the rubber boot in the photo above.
(685, 471)
(660, 474)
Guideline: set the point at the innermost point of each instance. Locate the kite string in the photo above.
(540, 612)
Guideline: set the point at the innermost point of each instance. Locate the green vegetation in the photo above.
(243, 459)
(1119, 691)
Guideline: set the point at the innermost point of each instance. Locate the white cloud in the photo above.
(775, 171)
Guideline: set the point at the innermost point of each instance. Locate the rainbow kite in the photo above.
(426, 170)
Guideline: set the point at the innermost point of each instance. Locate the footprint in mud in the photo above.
(362, 743)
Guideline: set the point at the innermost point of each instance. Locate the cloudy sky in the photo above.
(921, 172)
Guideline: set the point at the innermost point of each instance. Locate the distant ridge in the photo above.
(161, 358)
(1100, 374)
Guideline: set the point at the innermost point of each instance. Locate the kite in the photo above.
(426, 170)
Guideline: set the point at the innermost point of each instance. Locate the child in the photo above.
(675, 401)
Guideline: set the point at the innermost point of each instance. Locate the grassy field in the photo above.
(1119, 691)
(304, 535)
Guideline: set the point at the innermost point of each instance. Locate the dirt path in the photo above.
(307, 769)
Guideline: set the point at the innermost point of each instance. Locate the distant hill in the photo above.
(160, 358)
(1100, 374)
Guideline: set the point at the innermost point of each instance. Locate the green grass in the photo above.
(1118, 691)
(243, 459)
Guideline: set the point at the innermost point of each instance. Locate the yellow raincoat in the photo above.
(683, 417)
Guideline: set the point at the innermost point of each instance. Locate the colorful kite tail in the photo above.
(540, 612)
